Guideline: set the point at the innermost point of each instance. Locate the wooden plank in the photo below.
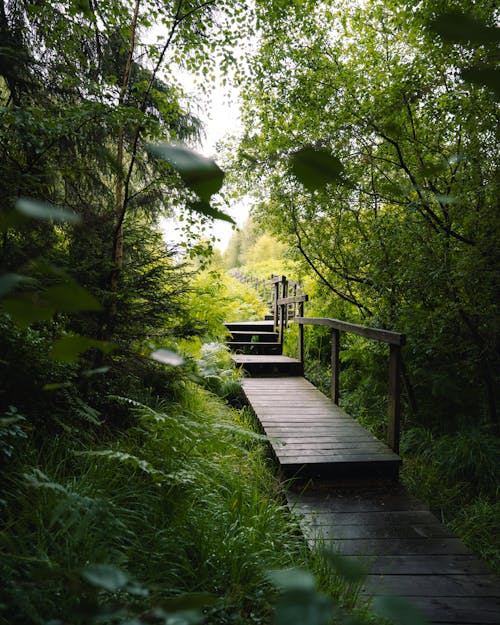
(362, 500)
(380, 519)
(291, 447)
(433, 585)
(418, 531)
(459, 610)
(395, 546)
(322, 459)
(285, 452)
(447, 564)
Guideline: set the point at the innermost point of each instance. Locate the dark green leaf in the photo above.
(56, 385)
(105, 577)
(69, 347)
(398, 611)
(205, 209)
(202, 175)
(348, 569)
(316, 168)
(292, 579)
(42, 210)
(83, 6)
(11, 219)
(456, 26)
(485, 76)
(70, 297)
(25, 311)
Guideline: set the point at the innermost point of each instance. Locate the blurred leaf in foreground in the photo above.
(398, 611)
(43, 210)
(69, 347)
(202, 175)
(167, 357)
(316, 168)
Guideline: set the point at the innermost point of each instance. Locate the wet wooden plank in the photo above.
(381, 519)
(459, 610)
(433, 585)
(355, 532)
(447, 564)
(394, 546)
(370, 503)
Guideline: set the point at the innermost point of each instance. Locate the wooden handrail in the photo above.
(294, 299)
(385, 336)
(395, 341)
(280, 299)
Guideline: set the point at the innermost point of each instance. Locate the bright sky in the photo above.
(220, 117)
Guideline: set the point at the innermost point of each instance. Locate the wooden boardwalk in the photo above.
(352, 503)
(405, 550)
(313, 437)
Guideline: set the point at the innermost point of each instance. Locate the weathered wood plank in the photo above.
(447, 564)
(354, 532)
(359, 500)
(380, 519)
(433, 585)
(459, 610)
(395, 546)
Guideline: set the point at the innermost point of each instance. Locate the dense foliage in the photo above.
(395, 209)
(131, 493)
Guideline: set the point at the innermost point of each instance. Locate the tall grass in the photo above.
(184, 501)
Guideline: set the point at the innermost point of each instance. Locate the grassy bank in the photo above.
(181, 511)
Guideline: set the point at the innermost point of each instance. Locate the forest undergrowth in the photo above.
(179, 517)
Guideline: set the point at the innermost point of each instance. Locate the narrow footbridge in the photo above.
(343, 482)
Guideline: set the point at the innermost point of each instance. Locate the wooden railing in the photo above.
(395, 341)
(286, 303)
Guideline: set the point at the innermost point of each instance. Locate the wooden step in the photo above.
(245, 347)
(266, 337)
(250, 326)
(269, 366)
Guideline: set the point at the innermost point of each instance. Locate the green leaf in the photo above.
(70, 297)
(205, 209)
(42, 210)
(484, 76)
(202, 175)
(105, 577)
(11, 219)
(459, 27)
(316, 168)
(292, 579)
(167, 357)
(398, 611)
(54, 386)
(83, 6)
(350, 570)
(69, 347)
(189, 601)
(24, 311)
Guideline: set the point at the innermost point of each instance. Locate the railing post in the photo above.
(284, 293)
(394, 421)
(301, 333)
(335, 365)
(275, 303)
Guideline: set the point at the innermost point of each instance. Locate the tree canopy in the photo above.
(374, 144)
